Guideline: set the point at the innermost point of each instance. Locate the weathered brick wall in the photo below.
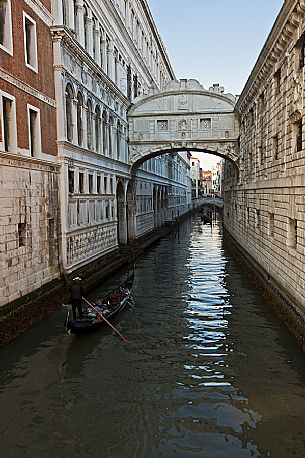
(265, 211)
(29, 204)
(15, 64)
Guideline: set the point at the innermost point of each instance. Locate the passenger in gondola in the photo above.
(110, 305)
(77, 292)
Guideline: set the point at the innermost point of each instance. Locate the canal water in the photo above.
(211, 372)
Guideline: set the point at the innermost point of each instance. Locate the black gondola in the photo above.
(113, 303)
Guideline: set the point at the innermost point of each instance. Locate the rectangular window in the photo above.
(21, 234)
(98, 184)
(105, 185)
(71, 181)
(298, 132)
(292, 233)
(300, 52)
(107, 210)
(262, 103)
(30, 42)
(275, 147)
(81, 182)
(34, 131)
(251, 117)
(90, 180)
(206, 123)
(8, 123)
(6, 37)
(277, 82)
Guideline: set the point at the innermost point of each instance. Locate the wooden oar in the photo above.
(109, 324)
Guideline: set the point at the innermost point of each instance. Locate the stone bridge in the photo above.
(183, 116)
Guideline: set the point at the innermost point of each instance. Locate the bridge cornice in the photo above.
(140, 101)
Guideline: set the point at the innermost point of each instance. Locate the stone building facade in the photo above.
(29, 250)
(265, 208)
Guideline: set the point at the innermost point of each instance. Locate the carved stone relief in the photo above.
(162, 125)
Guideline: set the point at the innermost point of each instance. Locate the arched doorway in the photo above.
(121, 214)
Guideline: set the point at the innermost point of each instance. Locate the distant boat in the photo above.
(206, 219)
(110, 306)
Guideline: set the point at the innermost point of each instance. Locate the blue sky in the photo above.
(214, 41)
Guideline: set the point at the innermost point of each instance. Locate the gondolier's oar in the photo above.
(109, 324)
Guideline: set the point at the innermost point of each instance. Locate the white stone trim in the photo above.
(34, 52)
(41, 11)
(37, 128)
(26, 88)
(13, 127)
(9, 49)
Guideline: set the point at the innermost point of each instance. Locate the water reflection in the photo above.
(213, 373)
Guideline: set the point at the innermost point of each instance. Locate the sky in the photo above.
(214, 41)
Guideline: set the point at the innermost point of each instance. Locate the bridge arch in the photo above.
(183, 116)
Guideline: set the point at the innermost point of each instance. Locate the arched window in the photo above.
(86, 28)
(110, 134)
(101, 48)
(97, 128)
(89, 125)
(69, 106)
(79, 119)
(104, 118)
(94, 40)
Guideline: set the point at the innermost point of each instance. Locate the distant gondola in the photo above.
(113, 303)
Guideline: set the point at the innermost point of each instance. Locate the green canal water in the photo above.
(211, 373)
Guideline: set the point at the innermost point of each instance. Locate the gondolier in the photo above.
(77, 292)
(110, 306)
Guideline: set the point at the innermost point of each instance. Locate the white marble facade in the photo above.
(107, 53)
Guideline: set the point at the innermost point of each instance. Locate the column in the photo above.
(70, 12)
(104, 53)
(74, 121)
(114, 139)
(97, 39)
(57, 11)
(79, 28)
(110, 57)
(85, 133)
(89, 30)
(101, 145)
(94, 146)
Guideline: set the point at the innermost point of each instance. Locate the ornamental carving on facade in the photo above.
(182, 124)
(183, 102)
(84, 77)
(297, 90)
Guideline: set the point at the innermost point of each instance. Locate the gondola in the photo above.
(112, 304)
